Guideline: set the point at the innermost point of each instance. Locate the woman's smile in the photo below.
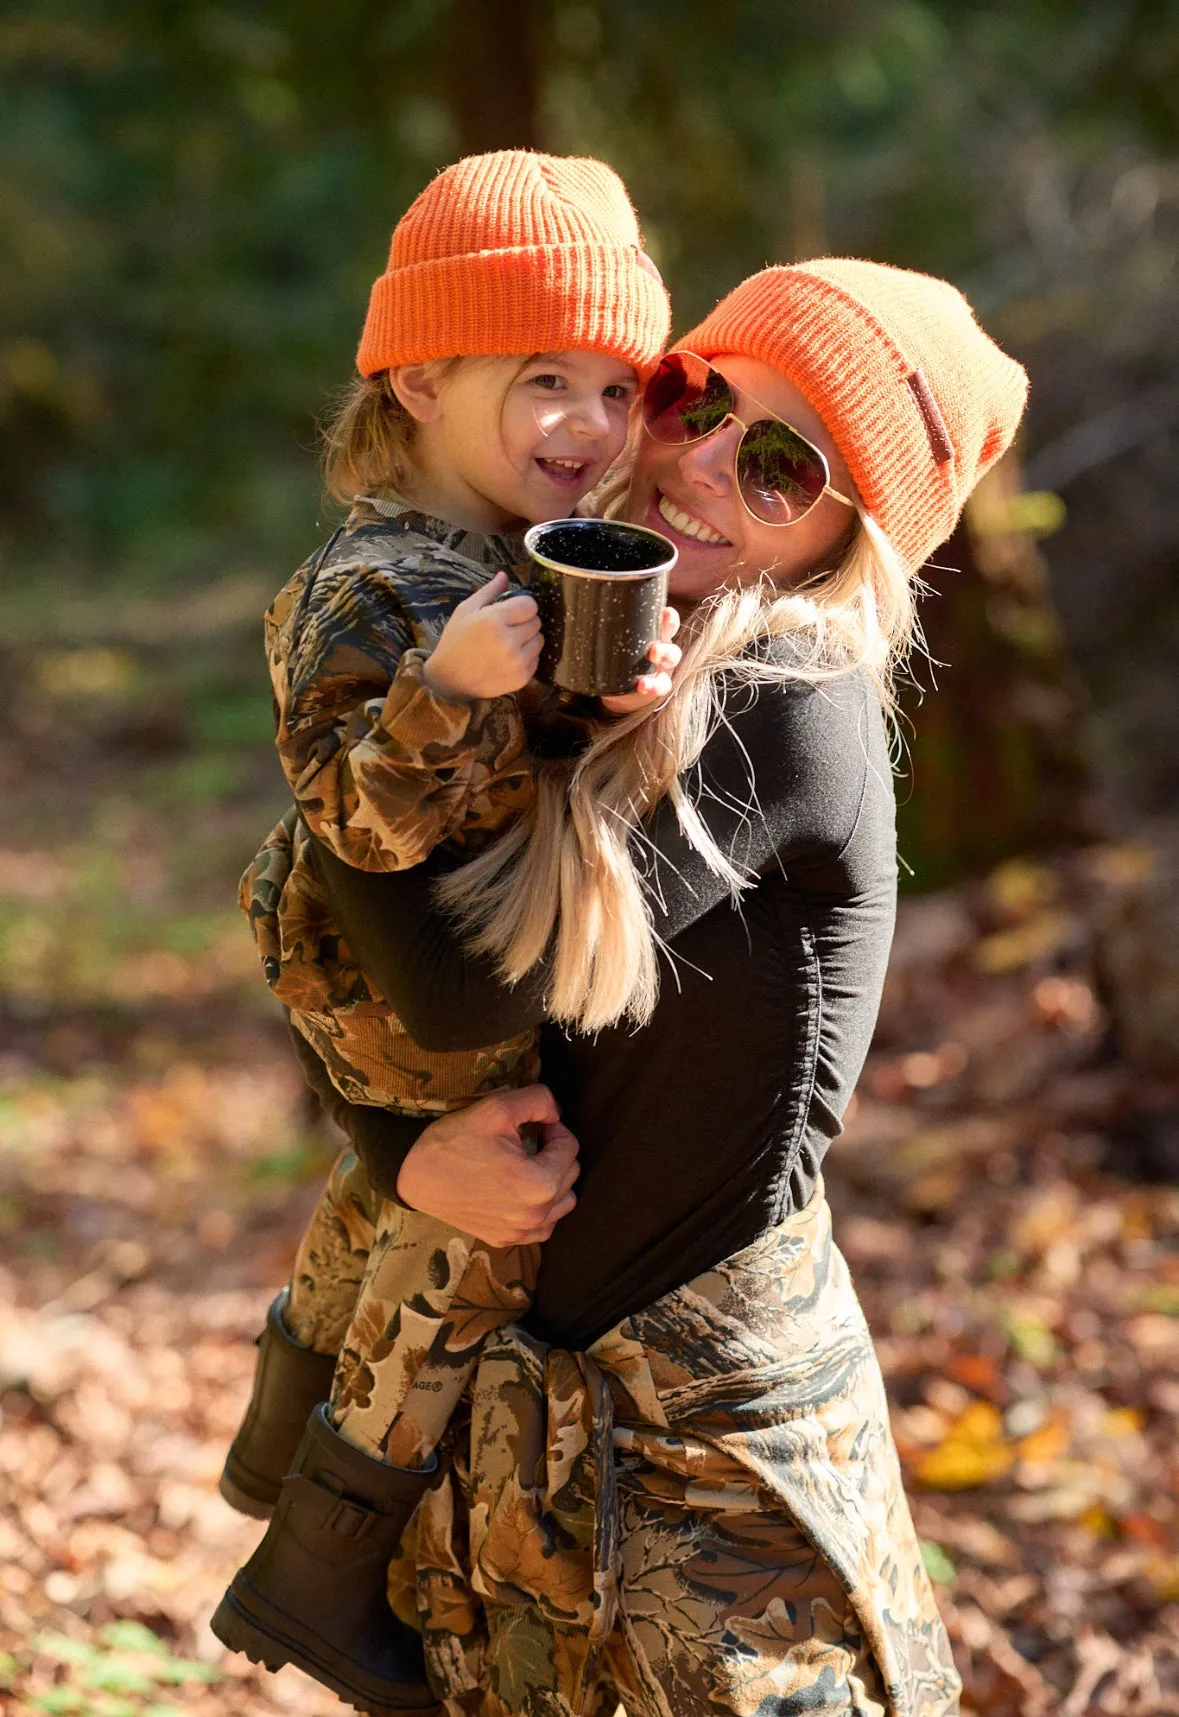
(690, 491)
(687, 524)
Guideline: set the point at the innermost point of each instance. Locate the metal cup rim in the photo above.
(543, 559)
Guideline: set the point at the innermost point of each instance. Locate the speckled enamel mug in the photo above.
(600, 586)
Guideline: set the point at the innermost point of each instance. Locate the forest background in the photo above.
(194, 200)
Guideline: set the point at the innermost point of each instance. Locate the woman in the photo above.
(678, 1487)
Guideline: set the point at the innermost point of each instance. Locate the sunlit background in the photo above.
(194, 200)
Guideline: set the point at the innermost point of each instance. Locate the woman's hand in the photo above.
(664, 657)
(473, 1169)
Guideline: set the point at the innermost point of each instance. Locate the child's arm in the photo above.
(384, 760)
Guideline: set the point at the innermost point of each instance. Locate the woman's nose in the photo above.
(709, 463)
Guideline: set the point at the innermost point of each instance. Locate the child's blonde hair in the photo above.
(368, 439)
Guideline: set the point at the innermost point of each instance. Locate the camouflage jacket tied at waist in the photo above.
(755, 1390)
(383, 771)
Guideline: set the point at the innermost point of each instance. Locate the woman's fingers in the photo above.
(537, 1236)
(653, 686)
(562, 1207)
(669, 625)
(665, 656)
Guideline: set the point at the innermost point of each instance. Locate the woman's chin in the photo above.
(700, 569)
(691, 582)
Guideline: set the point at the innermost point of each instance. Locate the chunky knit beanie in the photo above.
(517, 252)
(916, 397)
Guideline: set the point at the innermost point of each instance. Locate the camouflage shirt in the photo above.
(383, 771)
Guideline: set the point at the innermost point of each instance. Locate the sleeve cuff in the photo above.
(417, 717)
(381, 1139)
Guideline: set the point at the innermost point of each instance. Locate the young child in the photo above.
(500, 357)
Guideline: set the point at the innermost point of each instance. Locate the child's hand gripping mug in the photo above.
(601, 587)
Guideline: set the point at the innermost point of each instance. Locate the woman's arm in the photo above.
(446, 998)
(780, 782)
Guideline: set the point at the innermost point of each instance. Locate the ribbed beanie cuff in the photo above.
(512, 253)
(918, 399)
(537, 298)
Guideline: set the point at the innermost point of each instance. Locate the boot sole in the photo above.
(237, 1629)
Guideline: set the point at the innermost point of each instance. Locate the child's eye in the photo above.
(620, 390)
(548, 380)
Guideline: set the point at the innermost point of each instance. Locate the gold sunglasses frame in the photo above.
(731, 416)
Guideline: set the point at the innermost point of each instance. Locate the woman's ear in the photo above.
(416, 388)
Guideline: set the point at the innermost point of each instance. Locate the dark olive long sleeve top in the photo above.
(707, 1126)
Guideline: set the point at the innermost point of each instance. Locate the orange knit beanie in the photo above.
(517, 252)
(916, 397)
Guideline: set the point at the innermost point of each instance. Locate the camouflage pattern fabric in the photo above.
(332, 1258)
(429, 1298)
(703, 1512)
(406, 1302)
(368, 1054)
(383, 771)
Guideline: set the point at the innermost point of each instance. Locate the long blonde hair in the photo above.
(566, 879)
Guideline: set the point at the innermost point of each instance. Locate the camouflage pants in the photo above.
(703, 1512)
(405, 1301)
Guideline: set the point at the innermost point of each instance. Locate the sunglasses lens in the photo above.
(780, 473)
(685, 399)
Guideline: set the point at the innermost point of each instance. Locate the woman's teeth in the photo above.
(686, 525)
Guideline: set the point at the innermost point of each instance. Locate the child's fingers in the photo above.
(527, 626)
(517, 610)
(669, 625)
(486, 594)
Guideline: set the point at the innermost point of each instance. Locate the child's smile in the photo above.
(520, 440)
(567, 472)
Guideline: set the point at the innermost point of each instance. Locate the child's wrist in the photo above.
(441, 686)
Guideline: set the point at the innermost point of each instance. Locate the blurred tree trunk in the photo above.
(996, 754)
(494, 54)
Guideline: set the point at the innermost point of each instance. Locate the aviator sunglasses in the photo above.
(780, 474)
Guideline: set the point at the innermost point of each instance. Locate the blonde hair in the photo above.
(368, 439)
(566, 880)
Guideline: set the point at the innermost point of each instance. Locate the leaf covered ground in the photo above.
(159, 1161)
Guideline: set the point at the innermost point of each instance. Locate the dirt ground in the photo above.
(159, 1161)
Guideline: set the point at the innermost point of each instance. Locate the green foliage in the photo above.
(120, 1675)
(940, 1566)
(197, 198)
(1031, 1341)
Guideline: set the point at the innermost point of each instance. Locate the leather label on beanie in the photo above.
(935, 423)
